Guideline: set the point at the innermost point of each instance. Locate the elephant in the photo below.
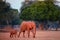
(27, 26)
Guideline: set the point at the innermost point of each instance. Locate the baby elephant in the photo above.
(13, 33)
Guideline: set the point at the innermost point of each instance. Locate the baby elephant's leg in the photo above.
(11, 35)
(15, 35)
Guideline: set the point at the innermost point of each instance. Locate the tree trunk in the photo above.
(7, 22)
(56, 29)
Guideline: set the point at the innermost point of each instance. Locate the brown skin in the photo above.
(13, 33)
(27, 25)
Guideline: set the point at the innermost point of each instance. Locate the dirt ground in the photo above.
(40, 35)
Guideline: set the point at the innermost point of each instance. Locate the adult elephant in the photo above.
(28, 25)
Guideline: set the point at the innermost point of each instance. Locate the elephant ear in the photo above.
(34, 27)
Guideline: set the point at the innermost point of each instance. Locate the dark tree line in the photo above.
(7, 14)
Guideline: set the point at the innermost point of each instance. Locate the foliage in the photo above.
(40, 10)
(7, 14)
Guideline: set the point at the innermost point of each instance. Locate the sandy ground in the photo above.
(40, 35)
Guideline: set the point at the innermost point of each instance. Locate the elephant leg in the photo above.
(28, 33)
(34, 32)
(24, 33)
(15, 35)
(11, 35)
(19, 34)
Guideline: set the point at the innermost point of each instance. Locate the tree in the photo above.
(7, 14)
(4, 8)
(12, 15)
(40, 11)
(53, 10)
(34, 12)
